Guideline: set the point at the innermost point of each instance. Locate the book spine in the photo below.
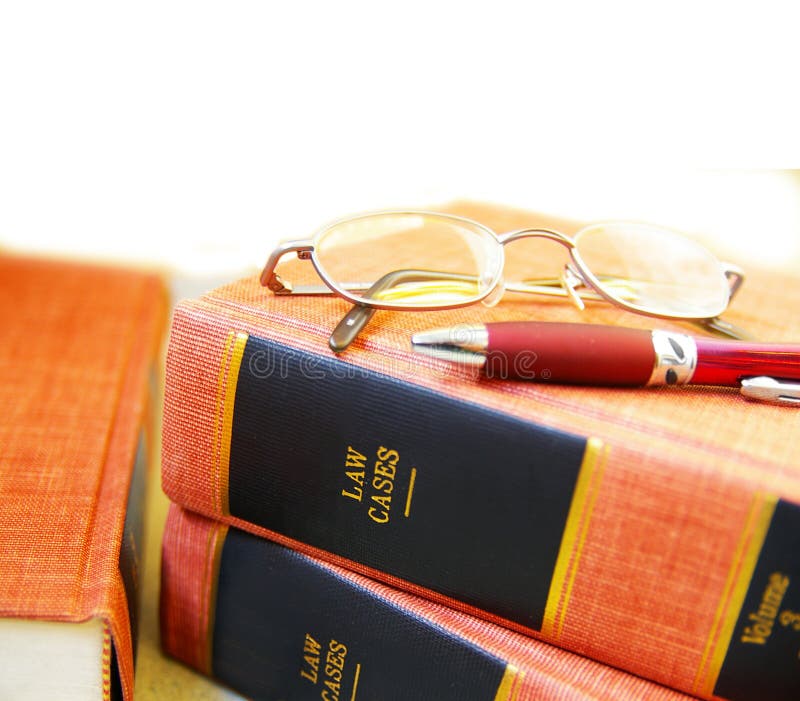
(433, 490)
(273, 623)
(130, 553)
(128, 460)
(556, 535)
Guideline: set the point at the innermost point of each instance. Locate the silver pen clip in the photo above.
(768, 389)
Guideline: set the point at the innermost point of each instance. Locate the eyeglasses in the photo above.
(416, 260)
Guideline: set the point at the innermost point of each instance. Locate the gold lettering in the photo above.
(311, 646)
(779, 581)
(382, 485)
(378, 515)
(790, 619)
(748, 637)
(383, 470)
(385, 502)
(773, 597)
(386, 455)
(334, 670)
(763, 620)
(311, 675)
(354, 459)
(358, 491)
(334, 661)
(312, 651)
(337, 648)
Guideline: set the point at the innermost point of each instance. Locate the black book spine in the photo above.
(452, 496)
(288, 628)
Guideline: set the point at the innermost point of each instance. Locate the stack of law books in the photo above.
(382, 525)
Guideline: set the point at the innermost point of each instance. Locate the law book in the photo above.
(79, 345)
(653, 530)
(272, 623)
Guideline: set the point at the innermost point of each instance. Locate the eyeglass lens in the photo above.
(409, 259)
(426, 260)
(654, 270)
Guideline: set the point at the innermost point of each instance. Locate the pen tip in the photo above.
(432, 337)
(472, 336)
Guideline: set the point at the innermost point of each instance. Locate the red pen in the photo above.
(591, 354)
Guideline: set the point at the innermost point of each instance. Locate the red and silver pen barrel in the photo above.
(727, 362)
(607, 355)
(592, 354)
(565, 353)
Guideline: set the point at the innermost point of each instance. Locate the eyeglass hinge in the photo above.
(304, 255)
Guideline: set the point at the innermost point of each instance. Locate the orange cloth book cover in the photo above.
(655, 530)
(78, 356)
(312, 630)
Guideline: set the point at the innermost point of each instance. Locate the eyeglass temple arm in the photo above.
(717, 325)
(356, 319)
(269, 278)
(554, 286)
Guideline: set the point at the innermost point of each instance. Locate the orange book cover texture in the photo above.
(77, 352)
(674, 514)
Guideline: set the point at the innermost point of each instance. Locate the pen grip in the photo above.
(569, 353)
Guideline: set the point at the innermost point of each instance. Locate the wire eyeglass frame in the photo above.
(576, 282)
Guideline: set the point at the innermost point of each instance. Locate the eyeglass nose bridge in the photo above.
(569, 278)
(549, 234)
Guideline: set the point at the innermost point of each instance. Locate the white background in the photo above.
(197, 134)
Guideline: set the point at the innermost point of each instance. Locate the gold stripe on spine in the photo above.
(734, 592)
(217, 537)
(226, 428)
(407, 510)
(508, 690)
(587, 486)
(355, 682)
(216, 441)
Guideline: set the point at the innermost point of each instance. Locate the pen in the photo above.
(592, 354)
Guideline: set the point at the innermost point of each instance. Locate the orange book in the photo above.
(272, 623)
(77, 361)
(655, 530)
